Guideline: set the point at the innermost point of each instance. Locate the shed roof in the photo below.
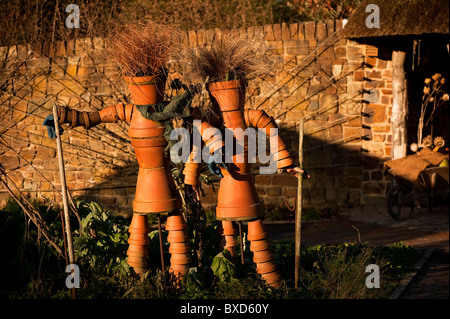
(400, 18)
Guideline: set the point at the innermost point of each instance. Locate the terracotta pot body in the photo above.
(237, 198)
(155, 189)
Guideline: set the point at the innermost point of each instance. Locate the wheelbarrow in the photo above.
(403, 196)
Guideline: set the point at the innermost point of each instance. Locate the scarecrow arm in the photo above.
(259, 119)
(110, 114)
(192, 166)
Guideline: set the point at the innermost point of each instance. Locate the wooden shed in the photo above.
(413, 34)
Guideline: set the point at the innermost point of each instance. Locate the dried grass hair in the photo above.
(230, 57)
(143, 49)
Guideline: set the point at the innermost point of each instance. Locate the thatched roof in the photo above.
(400, 18)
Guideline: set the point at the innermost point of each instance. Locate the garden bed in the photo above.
(34, 270)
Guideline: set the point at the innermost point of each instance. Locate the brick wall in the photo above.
(341, 88)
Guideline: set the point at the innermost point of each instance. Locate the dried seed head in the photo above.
(436, 77)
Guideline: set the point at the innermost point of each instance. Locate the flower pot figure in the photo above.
(156, 192)
(237, 196)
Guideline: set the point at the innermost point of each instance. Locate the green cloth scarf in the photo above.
(163, 112)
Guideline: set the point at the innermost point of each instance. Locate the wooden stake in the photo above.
(62, 176)
(241, 240)
(298, 215)
(399, 105)
(161, 244)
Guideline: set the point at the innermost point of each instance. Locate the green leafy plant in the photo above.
(223, 267)
(101, 242)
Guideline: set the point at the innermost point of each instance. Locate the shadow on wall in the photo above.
(341, 175)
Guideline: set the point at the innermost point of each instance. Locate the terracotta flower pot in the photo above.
(137, 261)
(138, 239)
(244, 204)
(155, 191)
(259, 245)
(231, 241)
(147, 89)
(179, 248)
(230, 95)
(179, 270)
(262, 256)
(177, 236)
(230, 245)
(256, 230)
(264, 268)
(180, 259)
(139, 264)
(175, 222)
(273, 279)
(138, 250)
(139, 224)
(131, 253)
(228, 228)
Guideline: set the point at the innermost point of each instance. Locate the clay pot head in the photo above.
(228, 97)
(147, 89)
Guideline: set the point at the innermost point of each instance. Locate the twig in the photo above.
(359, 235)
(35, 218)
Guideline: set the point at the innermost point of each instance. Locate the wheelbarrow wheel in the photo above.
(399, 203)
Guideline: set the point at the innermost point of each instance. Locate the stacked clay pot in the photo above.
(229, 232)
(138, 243)
(262, 257)
(178, 244)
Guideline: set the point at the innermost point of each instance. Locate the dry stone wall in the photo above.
(341, 89)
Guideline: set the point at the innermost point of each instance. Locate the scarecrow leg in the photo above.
(229, 232)
(138, 243)
(263, 258)
(179, 244)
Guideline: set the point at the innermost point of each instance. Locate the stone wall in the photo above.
(341, 89)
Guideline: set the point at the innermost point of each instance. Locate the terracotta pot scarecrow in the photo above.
(237, 196)
(156, 192)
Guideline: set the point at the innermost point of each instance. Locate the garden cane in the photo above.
(64, 191)
(298, 215)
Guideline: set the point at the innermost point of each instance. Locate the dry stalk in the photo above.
(230, 57)
(31, 212)
(143, 49)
